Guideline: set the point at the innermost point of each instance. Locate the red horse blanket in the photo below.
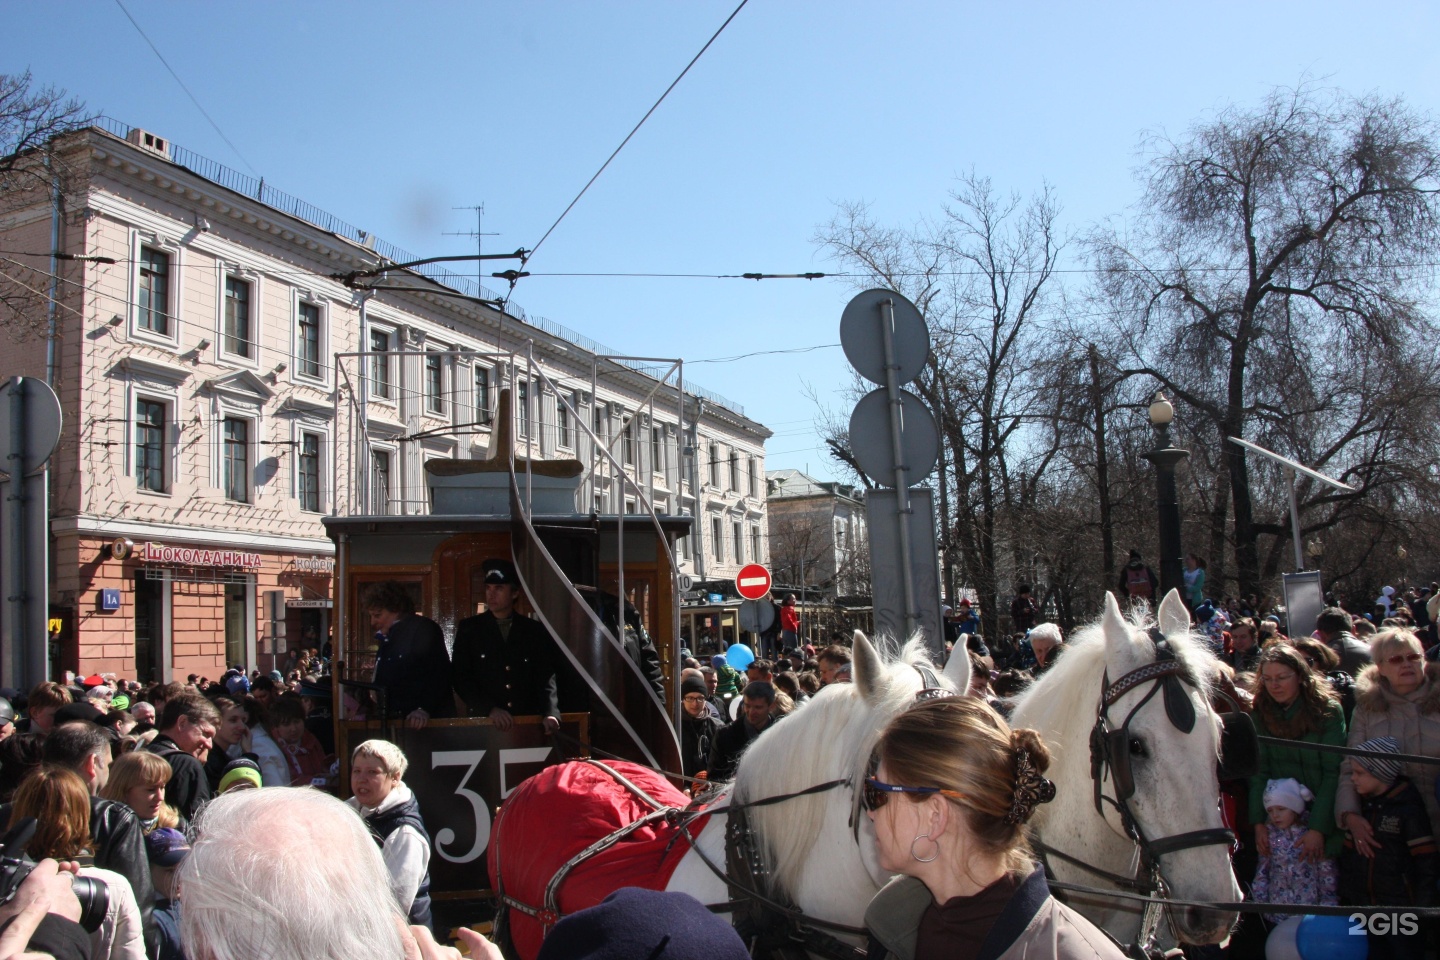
(558, 813)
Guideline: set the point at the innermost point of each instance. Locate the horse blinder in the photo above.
(1239, 747)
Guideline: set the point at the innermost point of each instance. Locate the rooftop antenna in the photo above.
(479, 234)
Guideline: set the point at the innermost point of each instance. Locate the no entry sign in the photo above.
(752, 582)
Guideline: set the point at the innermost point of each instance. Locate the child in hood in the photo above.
(1284, 875)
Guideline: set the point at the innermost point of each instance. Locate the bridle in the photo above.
(1110, 757)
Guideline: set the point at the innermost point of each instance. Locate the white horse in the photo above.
(819, 849)
(815, 850)
(1176, 788)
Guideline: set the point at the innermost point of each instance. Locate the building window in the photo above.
(657, 450)
(308, 352)
(522, 406)
(737, 532)
(155, 291)
(717, 538)
(714, 464)
(598, 417)
(150, 458)
(309, 479)
(735, 471)
(752, 482)
(380, 364)
(434, 383)
(483, 413)
(236, 459)
(564, 424)
(380, 481)
(755, 553)
(630, 505)
(237, 318)
(627, 443)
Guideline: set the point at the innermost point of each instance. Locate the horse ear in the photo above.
(867, 672)
(957, 668)
(1173, 617)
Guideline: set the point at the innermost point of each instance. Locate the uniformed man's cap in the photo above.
(501, 572)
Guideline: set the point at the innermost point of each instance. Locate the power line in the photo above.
(632, 133)
(167, 66)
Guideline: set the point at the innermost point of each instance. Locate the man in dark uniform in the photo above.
(505, 663)
(411, 663)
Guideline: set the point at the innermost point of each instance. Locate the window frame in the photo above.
(224, 462)
(717, 538)
(384, 364)
(254, 298)
(433, 400)
(483, 409)
(321, 434)
(322, 340)
(390, 453)
(564, 422)
(139, 240)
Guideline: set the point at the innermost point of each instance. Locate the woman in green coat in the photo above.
(1293, 702)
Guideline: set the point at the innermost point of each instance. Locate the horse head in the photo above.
(819, 849)
(1140, 690)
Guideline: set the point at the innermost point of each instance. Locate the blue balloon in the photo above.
(739, 656)
(1331, 938)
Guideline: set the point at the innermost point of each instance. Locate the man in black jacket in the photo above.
(187, 731)
(505, 663)
(411, 664)
(731, 741)
(698, 727)
(119, 837)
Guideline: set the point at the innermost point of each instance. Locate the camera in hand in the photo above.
(15, 866)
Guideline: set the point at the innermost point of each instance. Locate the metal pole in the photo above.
(18, 599)
(1295, 520)
(1165, 458)
(367, 480)
(902, 480)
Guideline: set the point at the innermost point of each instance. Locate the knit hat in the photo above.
(717, 661)
(166, 847)
(239, 684)
(691, 685)
(240, 771)
(1386, 771)
(1288, 793)
(632, 922)
(121, 702)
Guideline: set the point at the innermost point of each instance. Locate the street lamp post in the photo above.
(1165, 457)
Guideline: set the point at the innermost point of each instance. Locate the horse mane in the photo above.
(1065, 697)
(829, 737)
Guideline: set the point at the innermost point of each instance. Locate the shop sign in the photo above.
(324, 565)
(196, 557)
(309, 604)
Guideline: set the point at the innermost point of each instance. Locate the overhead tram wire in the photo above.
(516, 277)
(203, 111)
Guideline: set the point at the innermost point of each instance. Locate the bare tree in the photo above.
(30, 173)
(1275, 251)
(980, 276)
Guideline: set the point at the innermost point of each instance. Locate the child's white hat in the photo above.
(1288, 793)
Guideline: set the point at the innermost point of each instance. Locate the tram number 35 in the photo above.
(479, 807)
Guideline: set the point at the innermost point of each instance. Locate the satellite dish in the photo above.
(871, 444)
(862, 335)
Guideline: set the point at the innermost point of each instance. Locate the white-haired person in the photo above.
(389, 809)
(1046, 642)
(256, 849)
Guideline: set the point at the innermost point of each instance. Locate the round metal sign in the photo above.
(870, 442)
(756, 616)
(40, 431)
(862, 335)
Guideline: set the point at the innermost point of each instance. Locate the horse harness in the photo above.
(769, 918)
(1110, 751)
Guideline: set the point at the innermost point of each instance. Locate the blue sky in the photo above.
(389, 115)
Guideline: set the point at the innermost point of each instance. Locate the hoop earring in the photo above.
(924, 836)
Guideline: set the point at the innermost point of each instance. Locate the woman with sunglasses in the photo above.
(1394, 697)
(951, 821)
(1295, 702)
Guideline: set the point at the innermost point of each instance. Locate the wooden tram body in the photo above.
(462, 769)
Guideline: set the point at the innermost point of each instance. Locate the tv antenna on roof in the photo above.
(479, 234)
